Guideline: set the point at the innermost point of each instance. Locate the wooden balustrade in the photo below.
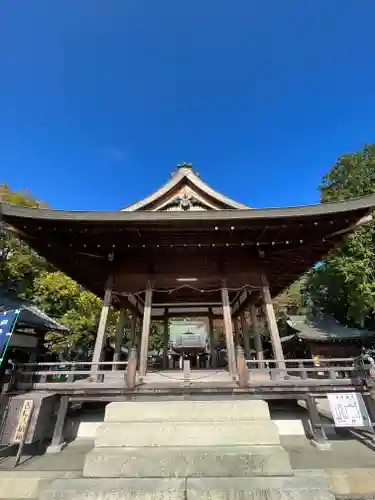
(263, 375)
(304, 369)
(48, 372)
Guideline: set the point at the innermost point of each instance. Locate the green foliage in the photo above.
(291, 300)
(344, 284)
(156, 341)
(28, 275)
(62, 298)
(352, 176)
(19, 265)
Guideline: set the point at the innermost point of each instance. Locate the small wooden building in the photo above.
(323, 337)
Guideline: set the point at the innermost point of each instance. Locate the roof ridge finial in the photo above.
(185, 165)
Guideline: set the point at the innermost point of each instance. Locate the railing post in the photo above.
(243, 373)
(303, 372)
(186, 366)
(43, 378)
(57, 443)
(319, 438)
(131, 370)
(332, 372)
(70, 377)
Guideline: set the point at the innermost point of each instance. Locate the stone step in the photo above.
(195, 411)
(115, 489)
(272, 488)
(280, 488)
(15, 484)
(215, 461)
(135, 434)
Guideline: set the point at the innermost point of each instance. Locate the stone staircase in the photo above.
(188, 450)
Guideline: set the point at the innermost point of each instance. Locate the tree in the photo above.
(156, 341)
(19, 264)
(73, 306)
(28, 275)
(291, 300)
(344, 284)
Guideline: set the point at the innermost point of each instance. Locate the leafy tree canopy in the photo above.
(19, 265)
(291, 300)
(26, 274)
(344, 284)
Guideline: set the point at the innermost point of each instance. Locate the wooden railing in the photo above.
(304, 369)
(268, 373)
(75, 370)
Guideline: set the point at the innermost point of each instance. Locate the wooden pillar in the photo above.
(228, 329)
(146, 324)
(165, 339)
(257, 336)
(100, 336)
(236, 332)
(133, 329)
(213, 356)
(137, 331)
(245, 335)
(119, 337)
(272, 326)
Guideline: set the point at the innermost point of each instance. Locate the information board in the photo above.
(348, 410)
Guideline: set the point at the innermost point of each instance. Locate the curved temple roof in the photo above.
(30, 316)
(324, 329)
(147, 240)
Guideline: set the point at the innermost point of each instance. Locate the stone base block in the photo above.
(16, 484)
(56, 448)
(185, 462)
(195, 411)
(321, 445)
(281, 488)
(187, 434)
(115, 489)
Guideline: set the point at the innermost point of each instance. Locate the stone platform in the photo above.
(188, 450)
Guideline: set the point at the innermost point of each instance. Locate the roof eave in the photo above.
(366, 203)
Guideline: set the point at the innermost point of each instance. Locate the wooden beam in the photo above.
(272, 325)
(165, 338)
(100, 336)
(119, 336)
(228, 329)
(257, 336)
(245, 334)
(146, 325)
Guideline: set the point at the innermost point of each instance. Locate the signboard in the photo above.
(23, 421)
(8, 320)
(348, 410)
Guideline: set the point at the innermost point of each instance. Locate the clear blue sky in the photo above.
(100, 99)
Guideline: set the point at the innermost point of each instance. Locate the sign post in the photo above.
(20, 433)
(8, 320)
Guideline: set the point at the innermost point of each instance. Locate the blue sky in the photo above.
(100, 99)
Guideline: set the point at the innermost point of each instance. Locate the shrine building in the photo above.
(189, 251)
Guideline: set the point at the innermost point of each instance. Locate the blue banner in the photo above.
(8, 321)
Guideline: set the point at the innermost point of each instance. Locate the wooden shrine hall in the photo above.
(188, 251)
